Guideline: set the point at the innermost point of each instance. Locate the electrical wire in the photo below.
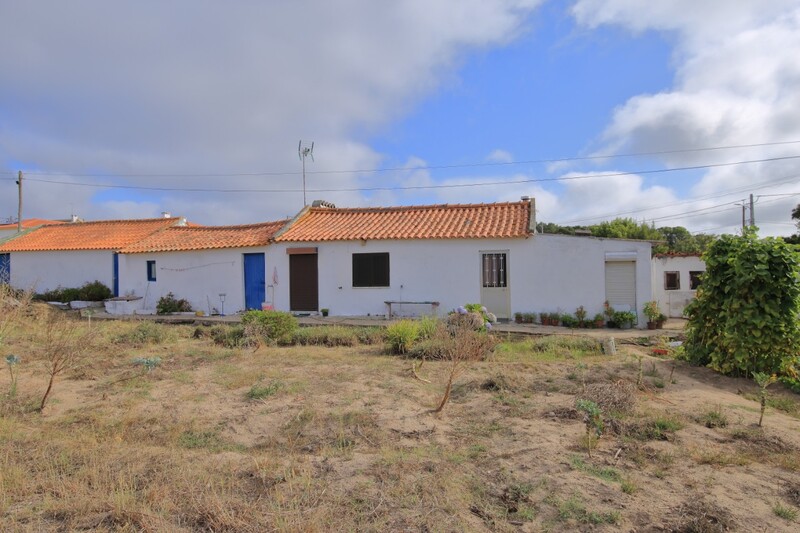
(421, 187)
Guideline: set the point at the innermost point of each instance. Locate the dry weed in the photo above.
(617, 397)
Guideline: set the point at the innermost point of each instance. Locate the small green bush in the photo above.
(272, 325)
(169, 304)
(427, 327)
(145, 332)
(230, 336)
(94, 291)
(325, 336)
(370, 335)
(401, 336)
(259, 392)
(429, 349)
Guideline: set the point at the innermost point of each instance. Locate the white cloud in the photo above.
(500, 156)
(737, 82)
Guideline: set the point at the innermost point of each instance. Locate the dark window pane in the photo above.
(672, 281)
(695, 279)
(371, 270)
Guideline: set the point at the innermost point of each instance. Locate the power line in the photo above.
(424, 187)
(421, 167)
(751, 187)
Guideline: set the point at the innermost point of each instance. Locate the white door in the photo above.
(495, 295)
(621, 285)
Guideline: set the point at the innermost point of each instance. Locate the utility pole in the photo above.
(752, 213)
(19, 205)
(744, 220)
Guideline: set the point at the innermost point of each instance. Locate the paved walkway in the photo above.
(673, 327)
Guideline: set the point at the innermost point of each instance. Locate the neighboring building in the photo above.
(70, 255)
(352, 261)
(199, 264)
(10, 230)
(676, 278)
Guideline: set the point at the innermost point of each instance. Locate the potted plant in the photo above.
(568, 321)
(660, 320)
(544, 318)
(609, 312)
(324, 311)
(518, 318)
(624, 319)
(599, 320)
(652, 312)
(530, 318)
(555, 319)
(580, 315)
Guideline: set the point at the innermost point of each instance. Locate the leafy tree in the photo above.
(744, 318)
(626, 228)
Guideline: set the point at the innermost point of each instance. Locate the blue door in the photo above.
(116, 275)
(254, 280)
(5, 268)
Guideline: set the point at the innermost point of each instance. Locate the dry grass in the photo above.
(312, 438)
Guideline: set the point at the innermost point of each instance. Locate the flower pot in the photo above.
(652, 325)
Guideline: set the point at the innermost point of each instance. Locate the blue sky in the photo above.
(101, 103)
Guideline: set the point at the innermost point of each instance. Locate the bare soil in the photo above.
(331, 439)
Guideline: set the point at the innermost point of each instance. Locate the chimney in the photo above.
(74, 219)
(532, 219)
(166, 214)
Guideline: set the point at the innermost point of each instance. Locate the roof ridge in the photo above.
(232, 226)
(413, 207)
(125, 220)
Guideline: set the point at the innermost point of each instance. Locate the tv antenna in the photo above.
(302, 153)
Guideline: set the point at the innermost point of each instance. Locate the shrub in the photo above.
(370, 335)
(231, 336)
(145, 332)
(744, 318)
(259, 392)
(325, 336)
(427, 327)
(272, 325)
(95, 291)
(169, 304)
(401, 336)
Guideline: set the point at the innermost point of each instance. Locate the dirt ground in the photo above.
(328, 439)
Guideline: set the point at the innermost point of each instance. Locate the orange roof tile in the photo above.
(206, 238)
(28, 223)
(100, 235)
(458, 221)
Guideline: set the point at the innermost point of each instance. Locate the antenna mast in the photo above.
(304, 152)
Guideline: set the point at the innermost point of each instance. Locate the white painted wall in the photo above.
(44, 271)
(546, 273)
(197, 276)
(673, 302)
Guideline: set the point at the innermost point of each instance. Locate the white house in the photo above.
(70, 255)
(217, 269)
(353, 261)
(676, 278)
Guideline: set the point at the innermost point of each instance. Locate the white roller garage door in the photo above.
(621, 285)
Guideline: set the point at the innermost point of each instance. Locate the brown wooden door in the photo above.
(303, 282)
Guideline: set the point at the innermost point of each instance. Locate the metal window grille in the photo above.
(494, 270)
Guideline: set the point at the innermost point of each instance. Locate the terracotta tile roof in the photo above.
(206, 238)
(100, 235)
(28, 223)
(458, 221)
